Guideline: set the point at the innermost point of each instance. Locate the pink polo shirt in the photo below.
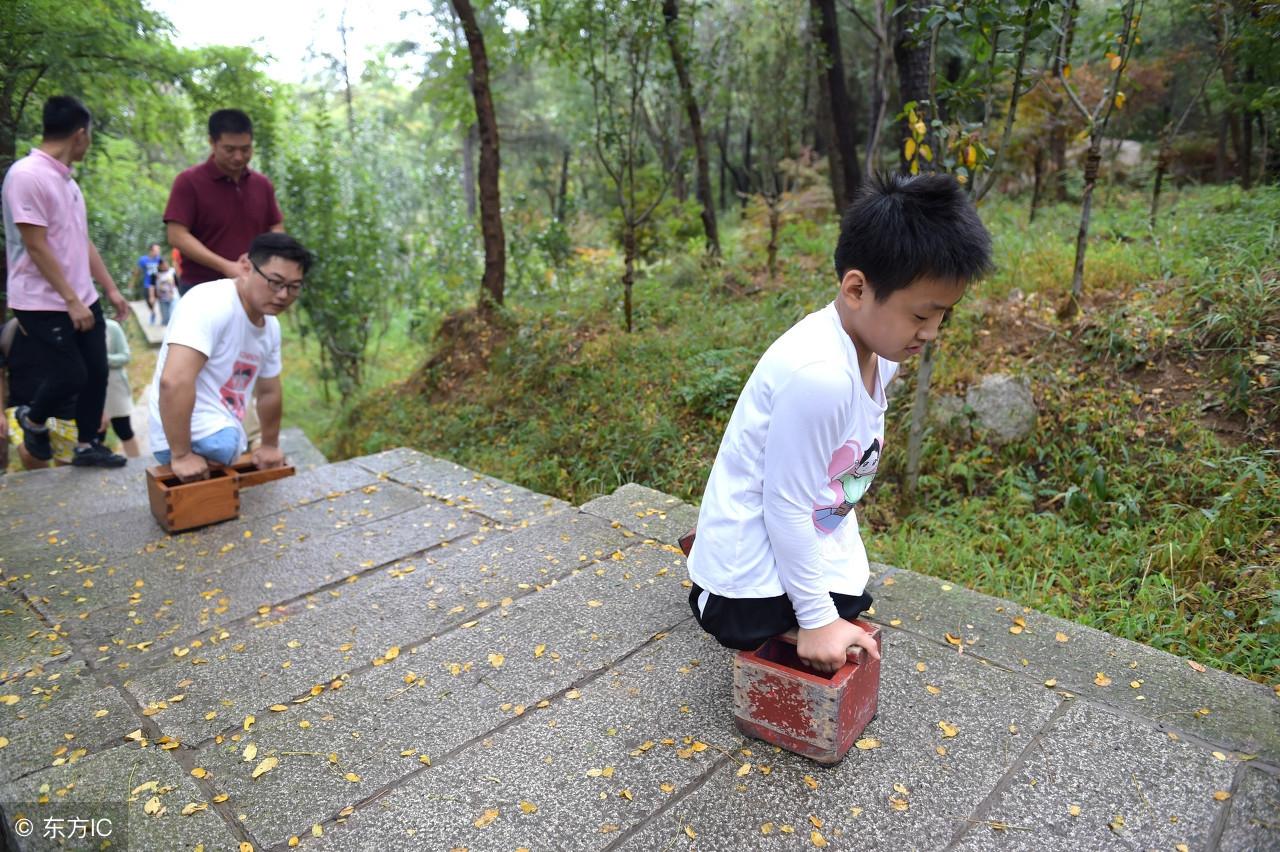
(39, 190)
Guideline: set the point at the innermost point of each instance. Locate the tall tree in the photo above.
(493, 285)
(1097, 118)
(912, 54)
(845, 174)
(676, 44)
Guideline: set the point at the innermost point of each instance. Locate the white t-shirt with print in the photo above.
(211, 320)
(800, 450)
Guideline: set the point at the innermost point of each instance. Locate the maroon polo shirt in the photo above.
(223, 214)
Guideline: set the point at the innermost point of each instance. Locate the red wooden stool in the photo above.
(779, 699)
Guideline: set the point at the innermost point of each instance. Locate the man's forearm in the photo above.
(176, 405)
(98, 270)
(270, 413)
(193, 250)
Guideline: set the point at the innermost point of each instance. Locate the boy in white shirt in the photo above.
(778, 546)
(223, 342)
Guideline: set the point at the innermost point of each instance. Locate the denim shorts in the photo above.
(222, 447)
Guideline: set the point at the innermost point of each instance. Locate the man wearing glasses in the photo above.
(222, 344)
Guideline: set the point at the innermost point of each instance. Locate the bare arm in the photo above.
(270, 393)
(177, 401)
(181, 238)
(36, 244)
(98, 270)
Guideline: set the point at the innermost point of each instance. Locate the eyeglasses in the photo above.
(277, 285)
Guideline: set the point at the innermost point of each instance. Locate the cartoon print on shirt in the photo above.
(233, 393)
(851, 472)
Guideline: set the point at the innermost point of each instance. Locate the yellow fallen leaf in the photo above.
(954, 640)
(1074, 810)
(392, 653)
(594, 604)
(817, 840)
(1221, 795)
(811, 782)
(246, 846)
(250, 752)
(293, 842)
(486, 818)
(1061, 637)
(931, 689)
(688, 829)
(267, 764)
(352, 777)
(1219, 755)
(1196, 666)
(248, 722)
(278, 708)
(152, 807)
(667, 787)
(317, 830)
(4, 741)
(941, 750)
(529, 807)
(1051, 683)
(573, 694)
(193, 807)
(496, 660)
(1116, 824)
(744, 769)
(199, 772)
(948, 730)
(1102, 680)
(898, 804)
(920, 667)
(867, 743)
(181, 652)
(767, 828)
(539, 650)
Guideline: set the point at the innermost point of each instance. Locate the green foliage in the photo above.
(333, 208)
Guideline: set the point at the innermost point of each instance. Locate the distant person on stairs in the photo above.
(222, 344)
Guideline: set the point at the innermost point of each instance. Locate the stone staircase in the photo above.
(395, 652)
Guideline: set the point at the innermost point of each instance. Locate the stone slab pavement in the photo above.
(397, 653)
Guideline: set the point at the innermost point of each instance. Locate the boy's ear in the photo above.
(854, 289)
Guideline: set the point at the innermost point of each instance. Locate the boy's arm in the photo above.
(806, 427)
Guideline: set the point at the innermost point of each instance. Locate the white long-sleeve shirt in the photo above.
(801, 448)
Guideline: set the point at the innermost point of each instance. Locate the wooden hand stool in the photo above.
(779, 699)
(179, 506)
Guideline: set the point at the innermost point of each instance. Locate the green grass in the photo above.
(1124, 511)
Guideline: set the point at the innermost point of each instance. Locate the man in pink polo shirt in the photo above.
(215, 209)
(52, 267)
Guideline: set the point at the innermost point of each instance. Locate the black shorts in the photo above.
(746, 623)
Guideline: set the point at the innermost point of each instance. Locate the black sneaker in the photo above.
(34, 438)
(97, 455)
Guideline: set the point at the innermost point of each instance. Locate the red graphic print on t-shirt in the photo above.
(235, 391)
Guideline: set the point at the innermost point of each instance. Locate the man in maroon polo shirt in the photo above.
(216, 208)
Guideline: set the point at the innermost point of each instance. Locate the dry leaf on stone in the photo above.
(528, 807)
(486, 818)
(267, 764)
(810, 782)
(817, 839)
(1221, 795)
(1102, 680)
(867, 743)
(1074, 810)
(948, 730)
(496, 660)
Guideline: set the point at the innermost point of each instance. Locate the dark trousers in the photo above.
(744, 624)
(69, 364)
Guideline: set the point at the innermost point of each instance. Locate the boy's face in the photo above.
(902, 324)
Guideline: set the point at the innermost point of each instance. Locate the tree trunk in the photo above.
(563, 192)
(629, 266)
(1092, 162)
(494, 282)
(772, 201)
(346, 75)
(744, 185)
(919, 416)
(1162, 165)
(842, 112)
(469, 142)
(724, 161)
(671, 13)
(1058, 131)
(1246, 139)
(1037, 184)
(1220, 153)
(911, 55)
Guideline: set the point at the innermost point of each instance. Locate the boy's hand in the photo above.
(826, 648)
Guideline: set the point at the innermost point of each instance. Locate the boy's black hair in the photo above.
(229, 121)
(275, 244)
(900, 228)
(63, 116)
